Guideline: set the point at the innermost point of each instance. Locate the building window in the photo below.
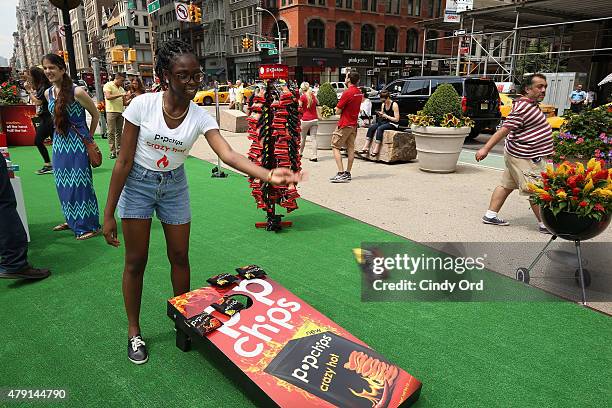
(391, 39)
(412, 41)
(368, 37)
(414, 7)
(435, 8)
(364, 5)
(145, 21)
(147, 39)
(312, 2)
(316, 34)
(432, 46)
(497, 48)
(244, 17)
(284, 33)
(373, 4)
(338, 3)
(393, 6)
(138, 37)
(343, 36)
(321, 2)
(349, 4)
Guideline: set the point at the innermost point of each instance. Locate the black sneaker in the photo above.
(112, 156)
(137, 352)
(314, 159)
(544, 230)
(336, 175)
(494, 221)
(342, 178)
(45, 170)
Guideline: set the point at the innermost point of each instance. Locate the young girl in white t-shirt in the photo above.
(149, 176)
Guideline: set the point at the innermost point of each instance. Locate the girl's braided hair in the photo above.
(165, 55)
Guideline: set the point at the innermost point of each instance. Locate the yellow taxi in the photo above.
(207, 96)
(549, 110)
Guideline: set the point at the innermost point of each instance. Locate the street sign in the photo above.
(464, 5)
(451, 16)
(153, 6)
(181, 12)
(131, 5)
(62, 31)
(273, 52)
(457, 33)
(266, 45)
(274, 71)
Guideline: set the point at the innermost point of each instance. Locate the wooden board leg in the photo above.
(183, 342)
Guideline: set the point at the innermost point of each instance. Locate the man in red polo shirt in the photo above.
(344, 136)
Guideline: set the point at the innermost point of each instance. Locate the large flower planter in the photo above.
(438, 148)
(324, 132)
(571, 227)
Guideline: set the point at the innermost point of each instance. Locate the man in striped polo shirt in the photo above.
(528, 142)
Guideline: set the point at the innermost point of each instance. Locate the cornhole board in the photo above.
(285, 353)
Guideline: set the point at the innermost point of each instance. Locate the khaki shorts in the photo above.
(344, 137)
(519, 172)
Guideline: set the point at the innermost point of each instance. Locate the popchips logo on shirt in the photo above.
(163, 162)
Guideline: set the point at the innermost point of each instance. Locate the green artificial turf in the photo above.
(69, 331)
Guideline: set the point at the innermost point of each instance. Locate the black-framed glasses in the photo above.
(198, 77)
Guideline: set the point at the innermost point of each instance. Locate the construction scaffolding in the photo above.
(507, 41)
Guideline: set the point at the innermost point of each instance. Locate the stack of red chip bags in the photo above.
(274, 129)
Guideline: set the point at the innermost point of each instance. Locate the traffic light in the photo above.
(191, 10)
(198, 14)
(65, 56)
(117, 56)
(246, 43)
(132, 55)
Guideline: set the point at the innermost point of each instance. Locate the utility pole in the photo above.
(152, 39)
(66, 6)
(99, 94)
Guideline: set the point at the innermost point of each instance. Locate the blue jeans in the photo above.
(163, 192)
(13, 238)
(379, 130)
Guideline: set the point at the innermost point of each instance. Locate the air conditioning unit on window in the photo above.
(376, 70)
(370, 72)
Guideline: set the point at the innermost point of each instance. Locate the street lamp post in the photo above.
(280, 39)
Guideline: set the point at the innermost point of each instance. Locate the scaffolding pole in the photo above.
(514, 38)
(423, 53)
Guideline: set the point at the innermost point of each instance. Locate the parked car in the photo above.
(479, 98)
(207, 96)
(549, 110)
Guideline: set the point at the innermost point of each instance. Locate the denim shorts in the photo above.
(164, 192)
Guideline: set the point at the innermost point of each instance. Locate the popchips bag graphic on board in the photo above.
(337, 370)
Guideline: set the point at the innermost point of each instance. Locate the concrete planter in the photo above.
(438, 148)
(325, 130)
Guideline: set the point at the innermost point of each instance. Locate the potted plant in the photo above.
(584, 136)
(439, 131)
(575, 201)
(328, 99)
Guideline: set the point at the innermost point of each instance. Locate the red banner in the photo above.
(274, 71)
(17, 124)
(295, 354)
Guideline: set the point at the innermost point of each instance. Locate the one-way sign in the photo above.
(458, 32)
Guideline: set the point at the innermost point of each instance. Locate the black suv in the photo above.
(479, 98)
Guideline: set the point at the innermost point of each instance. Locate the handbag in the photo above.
(93, 151)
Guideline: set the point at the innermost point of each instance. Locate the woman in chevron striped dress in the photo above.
(73, 177)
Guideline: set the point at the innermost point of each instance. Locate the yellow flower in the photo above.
(532, 187)
(589, 186)
(562, 194)
(591, 163)
(579, 168)
(549, 171)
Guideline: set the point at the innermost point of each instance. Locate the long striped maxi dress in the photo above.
(73, 177)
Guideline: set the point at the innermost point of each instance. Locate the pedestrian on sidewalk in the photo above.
(239, 95)
(232, 95)
(13, 239)
(577, 99)
(310, 119)
(528, 143)
(73, 176)
(344, 136)
(36, 86)
(136, 89)
(114, 94)
(149, 176)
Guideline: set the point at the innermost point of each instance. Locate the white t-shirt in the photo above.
(160, 148)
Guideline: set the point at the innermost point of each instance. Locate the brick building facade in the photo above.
(379, 38)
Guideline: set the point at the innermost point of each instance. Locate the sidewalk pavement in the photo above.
(423, 207)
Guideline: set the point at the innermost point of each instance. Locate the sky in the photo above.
(8, 25)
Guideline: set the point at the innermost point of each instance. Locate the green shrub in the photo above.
(444, 100)
(327, 96)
